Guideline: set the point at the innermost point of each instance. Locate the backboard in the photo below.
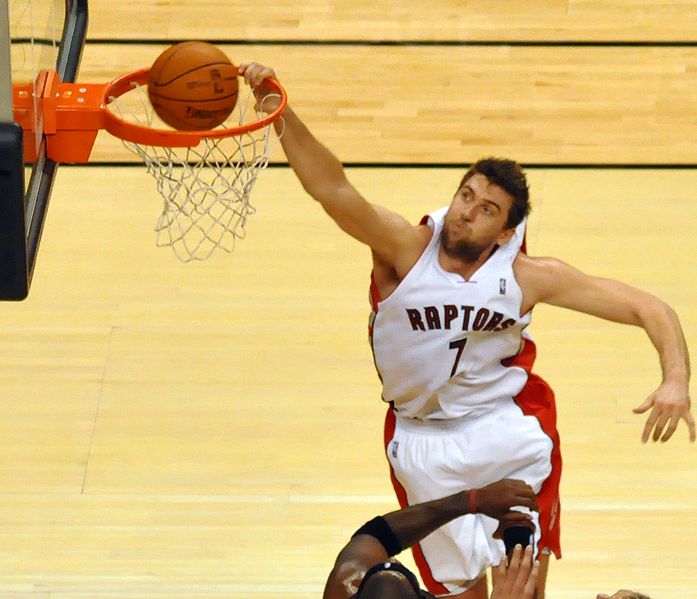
(34, 35)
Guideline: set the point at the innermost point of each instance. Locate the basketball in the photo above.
(193, 85)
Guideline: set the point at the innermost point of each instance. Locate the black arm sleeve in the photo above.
(379, 529)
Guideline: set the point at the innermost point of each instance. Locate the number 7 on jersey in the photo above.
(460, 346)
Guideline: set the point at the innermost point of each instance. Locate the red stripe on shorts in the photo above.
(537, 399)
(431, 583)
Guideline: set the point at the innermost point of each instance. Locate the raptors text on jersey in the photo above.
(438, 339)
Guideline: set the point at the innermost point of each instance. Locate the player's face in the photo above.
(476, 219)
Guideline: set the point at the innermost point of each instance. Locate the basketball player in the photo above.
(364, 569)
(451, 299)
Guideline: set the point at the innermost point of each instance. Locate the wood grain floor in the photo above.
(468, 20)
(621, 105)
(214, 429)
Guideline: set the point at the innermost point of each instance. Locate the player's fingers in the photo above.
(531, 584)
(691, 426)
(513, 567)
(643, 407)
(515, 516)
(521, 493)
(674, 421)
(261, 74)
(245, 69)
(524, 569)
(254, 73)
(513, 519)
(529, 500)
(651, 420)
(660, 425)
(499, 573)
(522, 488)
(517, 483)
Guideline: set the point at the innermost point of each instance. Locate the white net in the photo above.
(205, 189)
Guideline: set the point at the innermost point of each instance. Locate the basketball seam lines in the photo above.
(156, 96)
(196, 68)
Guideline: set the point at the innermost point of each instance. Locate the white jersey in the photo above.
(439, 340)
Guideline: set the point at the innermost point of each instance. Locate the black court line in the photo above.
(441, 165)
(408, 43)
(36, 41)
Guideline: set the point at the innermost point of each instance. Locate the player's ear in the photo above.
(506, 236)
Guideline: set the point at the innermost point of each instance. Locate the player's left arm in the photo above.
(388, 535)
(551, 281)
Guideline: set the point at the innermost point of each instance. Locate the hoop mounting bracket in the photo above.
(70, 115)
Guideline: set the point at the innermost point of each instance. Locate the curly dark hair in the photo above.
(510, 177)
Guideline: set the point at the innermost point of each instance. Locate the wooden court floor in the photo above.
(214, 429)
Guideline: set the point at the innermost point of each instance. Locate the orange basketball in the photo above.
(193, 85)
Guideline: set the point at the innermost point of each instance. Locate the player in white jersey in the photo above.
(439, 339)
(457, 422)
(443, 347)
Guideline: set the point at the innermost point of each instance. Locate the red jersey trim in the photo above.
(375, 298)
(537, 399)
(431, 583)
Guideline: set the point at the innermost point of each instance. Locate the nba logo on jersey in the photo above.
(502, 286)
(395, 445)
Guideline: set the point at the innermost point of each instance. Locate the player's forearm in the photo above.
(412, 524)
(319, 171)
(662, 325)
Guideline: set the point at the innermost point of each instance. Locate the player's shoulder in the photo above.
(423, 233)
(412, 247)
(532, 270)
(536, 263)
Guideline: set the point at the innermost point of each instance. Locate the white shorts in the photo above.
(433, 459)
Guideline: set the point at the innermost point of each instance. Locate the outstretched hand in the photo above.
(255, 75)
(516, 580)
(669, 404)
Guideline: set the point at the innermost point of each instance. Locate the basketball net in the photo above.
(206, 188)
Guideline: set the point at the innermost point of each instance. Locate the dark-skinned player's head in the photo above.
(390, 580)
(387, 585)
(509, 176)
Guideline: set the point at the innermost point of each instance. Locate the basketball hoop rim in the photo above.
(150, 136)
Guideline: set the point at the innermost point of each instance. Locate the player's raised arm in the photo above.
(323, 177)
(551, 281)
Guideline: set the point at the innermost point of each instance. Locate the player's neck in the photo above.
(461, 266)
